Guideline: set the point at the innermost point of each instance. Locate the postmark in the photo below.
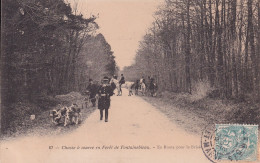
(208, 142)
(236, 142)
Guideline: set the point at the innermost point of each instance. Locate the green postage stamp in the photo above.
(236, 142)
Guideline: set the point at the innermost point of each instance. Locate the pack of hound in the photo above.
(66, 115)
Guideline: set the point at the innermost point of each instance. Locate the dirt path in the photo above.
(132, 122)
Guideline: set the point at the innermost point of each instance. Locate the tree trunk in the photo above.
(218, 29)
(252, 46)
(188, 50)
(258, 45)
(233, 39)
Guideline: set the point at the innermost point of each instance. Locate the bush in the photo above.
(45, 102)
(23, 109)
(72, 97)
(201, 89)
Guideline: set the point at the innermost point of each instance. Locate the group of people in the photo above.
(142, 86)
(104, 92)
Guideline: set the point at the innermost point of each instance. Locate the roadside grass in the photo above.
(195, 111)
(22, 125)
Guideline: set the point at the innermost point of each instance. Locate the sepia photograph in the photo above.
(130, 81)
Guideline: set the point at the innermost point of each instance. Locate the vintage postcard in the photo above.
(130, 81)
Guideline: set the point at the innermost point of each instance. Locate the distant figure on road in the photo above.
(136, 85)
(112, 82)
(149, 82)
(122, 81)
(104, 92)
(143, 87)
(153, 87)
(92, 88)
(142, 81)
(115, 84)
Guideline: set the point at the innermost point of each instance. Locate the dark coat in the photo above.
(104, 93)
(122, 80)
(137, 85)
(113, 85)
(92, 88)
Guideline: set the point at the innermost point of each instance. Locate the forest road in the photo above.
(132, 123)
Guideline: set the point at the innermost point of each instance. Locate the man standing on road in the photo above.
(104, 92)
(92, 88)
(136, 87)
(142, 80)
(122, 81)
(152, 87)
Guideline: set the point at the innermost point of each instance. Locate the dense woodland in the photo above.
(208, 41)
(48, 48)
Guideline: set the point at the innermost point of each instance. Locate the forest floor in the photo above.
(193, 114)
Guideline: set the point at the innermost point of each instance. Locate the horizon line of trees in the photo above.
(203, 40)
(44, 44)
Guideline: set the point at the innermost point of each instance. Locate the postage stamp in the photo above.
(236, 142)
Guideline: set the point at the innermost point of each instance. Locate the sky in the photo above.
(122, 22)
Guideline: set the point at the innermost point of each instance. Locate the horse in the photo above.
(129, 85)
(116, 82)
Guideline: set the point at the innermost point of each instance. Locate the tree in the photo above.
(41, 45)
(203, 40)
